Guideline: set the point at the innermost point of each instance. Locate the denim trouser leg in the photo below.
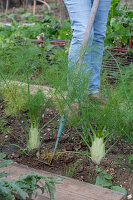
(79, 11)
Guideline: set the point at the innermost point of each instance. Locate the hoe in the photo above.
(79, 63)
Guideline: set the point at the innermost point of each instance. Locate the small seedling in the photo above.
(70, 172)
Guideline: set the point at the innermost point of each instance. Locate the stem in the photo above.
(7, 5)
(28, 85)
(34, 7)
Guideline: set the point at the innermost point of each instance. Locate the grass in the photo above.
(70, 171)
(42, 66)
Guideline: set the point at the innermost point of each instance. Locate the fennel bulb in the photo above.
(97, 150)
(34, 138)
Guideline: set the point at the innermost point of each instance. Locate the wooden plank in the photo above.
(7, 6)
(71, 189)
(34, 7)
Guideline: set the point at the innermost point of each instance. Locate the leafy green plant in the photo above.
(104, 180)
(25, 185)
(50, 26)
(120, 24)
(65, 32)
(4, 163)
(113, 9)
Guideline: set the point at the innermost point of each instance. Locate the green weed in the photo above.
(70, 171)
(104, 180)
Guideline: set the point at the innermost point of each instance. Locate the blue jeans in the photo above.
(79, 11)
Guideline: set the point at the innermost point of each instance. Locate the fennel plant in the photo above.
(95, 139)
(36, 107)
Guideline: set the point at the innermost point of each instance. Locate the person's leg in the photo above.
(79, 11)
(79, 14)
(98, 44)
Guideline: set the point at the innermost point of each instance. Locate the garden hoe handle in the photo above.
(61, 127)
(87, 34)
(80, 61)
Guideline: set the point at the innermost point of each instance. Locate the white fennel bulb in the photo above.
(34, 138)
(97, 150)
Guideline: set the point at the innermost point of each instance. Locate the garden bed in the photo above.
(34, 65)
(116, 162)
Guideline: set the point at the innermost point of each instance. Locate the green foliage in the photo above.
(101, 181)
(95, 139)
(130, 158)
(50, 26)
(119, 189)
(42, 65)
(65, 32)
(25, 15)
(117, 112)
(4, 163)
(120, 24)
(19, 99)
(104, 180)
(55, 70)
(19, 59)
(15, 99)
(113, 9)
(35, 112)
(34, 106)
(25, 184)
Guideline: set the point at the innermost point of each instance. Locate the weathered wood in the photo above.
(45, 3)
(70, 189)
(7, 6)
(63, 11)
(34, 7)
(2, 5)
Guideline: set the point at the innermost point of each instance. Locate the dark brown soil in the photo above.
(116, 163)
